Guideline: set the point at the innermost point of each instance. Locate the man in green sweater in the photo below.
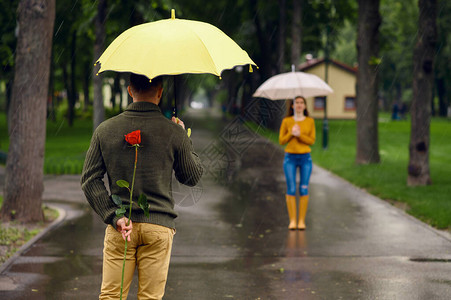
(164, 148)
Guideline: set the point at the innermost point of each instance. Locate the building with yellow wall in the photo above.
(342, 79)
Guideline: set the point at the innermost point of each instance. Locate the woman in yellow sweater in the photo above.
(298, 132)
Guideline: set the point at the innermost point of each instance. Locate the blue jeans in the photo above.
(290, 165)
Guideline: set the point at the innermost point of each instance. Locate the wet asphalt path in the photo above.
(232, 241)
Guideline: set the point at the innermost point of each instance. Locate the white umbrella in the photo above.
(292, 84)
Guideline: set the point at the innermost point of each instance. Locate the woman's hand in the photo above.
(124, 229)
(296, 130)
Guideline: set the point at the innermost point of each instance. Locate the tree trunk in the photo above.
(276, 120)
(99, 109)
(367, 82)
(432, 103)
(86, 81)
(9, 93)
(117, 92)
(442, 97)
(50, 103)
(281, 36)
(296, 33)
(423, 83)
(72, 89)
(263, 42)
(24, 166)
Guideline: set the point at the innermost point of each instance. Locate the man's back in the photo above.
(164, 147)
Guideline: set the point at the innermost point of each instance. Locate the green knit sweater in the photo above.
(165, 148)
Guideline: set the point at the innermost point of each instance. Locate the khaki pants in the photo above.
(149, 250)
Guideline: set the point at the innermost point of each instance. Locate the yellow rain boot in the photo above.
(291, 206)
(303, 204)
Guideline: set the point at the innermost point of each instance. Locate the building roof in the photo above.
(317, 61)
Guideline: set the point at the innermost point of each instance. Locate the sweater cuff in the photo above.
(114, 221)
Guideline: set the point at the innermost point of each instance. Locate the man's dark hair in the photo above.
(141, 83)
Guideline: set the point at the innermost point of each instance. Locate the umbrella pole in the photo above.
(174, 111)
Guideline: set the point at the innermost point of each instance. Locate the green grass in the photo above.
(387, 180)
(13, 235)
(65, 146)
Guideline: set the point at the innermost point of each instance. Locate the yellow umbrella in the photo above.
(173, 46)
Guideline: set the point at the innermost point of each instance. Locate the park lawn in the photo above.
(387, 180)
(66, 146)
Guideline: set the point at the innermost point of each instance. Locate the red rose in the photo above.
(134, 138)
